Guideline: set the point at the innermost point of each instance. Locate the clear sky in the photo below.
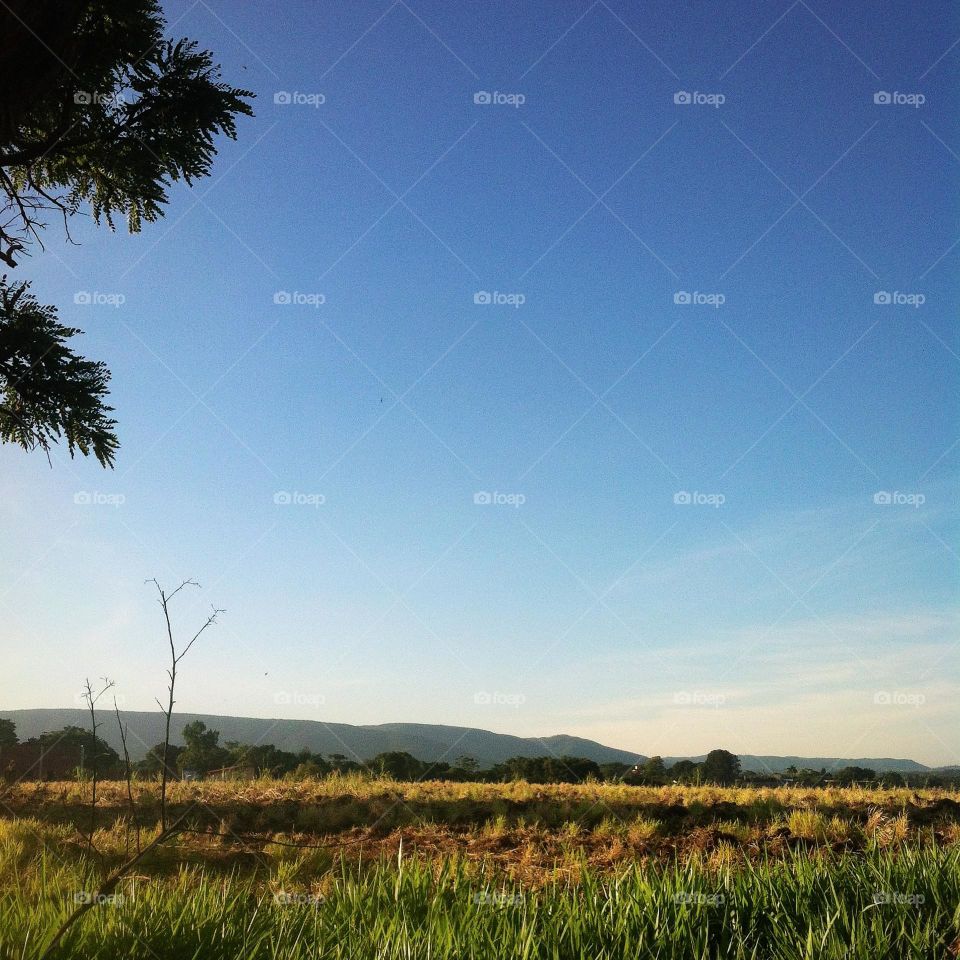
(681, 306)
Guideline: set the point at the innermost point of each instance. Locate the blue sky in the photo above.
(628, 161)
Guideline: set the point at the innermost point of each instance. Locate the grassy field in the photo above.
(352, 867)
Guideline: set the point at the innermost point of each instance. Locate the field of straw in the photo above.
(359, 867)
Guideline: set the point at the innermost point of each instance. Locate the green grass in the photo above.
(814, 906)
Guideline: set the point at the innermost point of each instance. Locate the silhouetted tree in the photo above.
(97, 107)
(721, 766)
(98, 110)
(48, 392)
(8, 733)
(202, 750)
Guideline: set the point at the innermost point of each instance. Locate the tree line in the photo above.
(73, 752)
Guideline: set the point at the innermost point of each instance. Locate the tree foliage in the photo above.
(202, 751)
(48, 392)
(99, 111)
(116, 112)
(8, 733)
(721, 767)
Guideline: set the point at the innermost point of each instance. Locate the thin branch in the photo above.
(105, 888)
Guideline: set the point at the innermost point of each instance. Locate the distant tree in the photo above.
(654, 771)
(684, 771)
(202, 751)
(312, 769)
(265, 758)
(721, 767)
(852, 774)
(73, 747)
(8, 734)
(341, 763)
(614, 770)
(399, 765)
(466, 764)
(545, 770)
(153, 761)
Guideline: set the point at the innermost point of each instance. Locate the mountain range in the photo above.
(432, 742)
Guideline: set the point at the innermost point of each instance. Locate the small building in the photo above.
(239, 771)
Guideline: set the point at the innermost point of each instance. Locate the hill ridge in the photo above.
(426, 741)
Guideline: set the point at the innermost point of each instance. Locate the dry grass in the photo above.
(530, 831)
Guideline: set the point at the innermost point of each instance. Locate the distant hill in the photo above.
(765, 764)
(424, 740)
